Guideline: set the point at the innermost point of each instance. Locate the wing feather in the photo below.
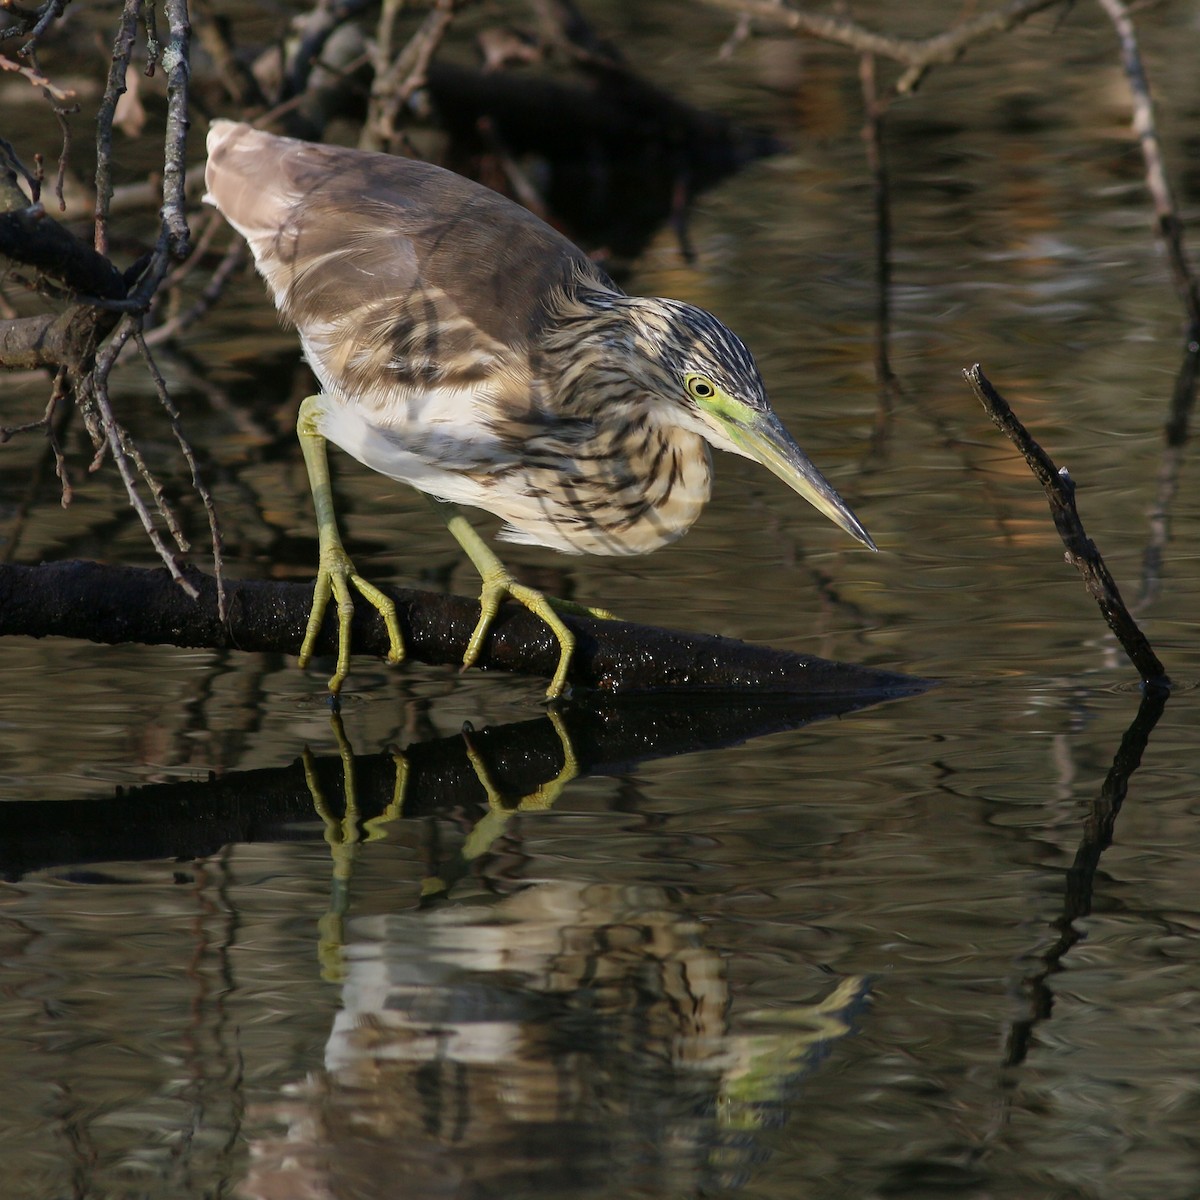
(398, 274)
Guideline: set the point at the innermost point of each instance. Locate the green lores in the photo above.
(760, 435)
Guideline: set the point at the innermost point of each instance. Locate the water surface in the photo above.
(885, 955)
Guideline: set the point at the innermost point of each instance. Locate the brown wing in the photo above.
(396, 272)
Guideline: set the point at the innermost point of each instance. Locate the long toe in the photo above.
(495, 588)
(335, 577)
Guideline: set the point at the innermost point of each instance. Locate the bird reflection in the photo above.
(569, 1038)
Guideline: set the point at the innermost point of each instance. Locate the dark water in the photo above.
(889, 954)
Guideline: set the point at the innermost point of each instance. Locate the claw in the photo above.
(496, 585)
(335, 576)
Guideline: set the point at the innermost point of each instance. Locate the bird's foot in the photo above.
(335, 577)
(575, 609)
(498, 583)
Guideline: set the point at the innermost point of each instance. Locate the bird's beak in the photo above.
(763, 438)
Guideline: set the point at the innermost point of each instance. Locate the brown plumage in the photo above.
(465, 347)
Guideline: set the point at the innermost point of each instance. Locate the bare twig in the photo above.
(888, 385)
(52, 339)
(1159, 519)
(154, 46)
(172, 246)
(10, 167)
(30, 236)
(229, 265)
(565, 27)
(202, 490)
(316, 28)
(236, 77)
(1170, 229)
(53, 421)
(48, 14)
(1169, 224)
(212, 224)
(740, 32)
(117, 441)
(113, 90)
(68, 341)
(64, 153)
(918, 55)
(175, 60)
(37, 79)
(1081, 550)
(395, 82)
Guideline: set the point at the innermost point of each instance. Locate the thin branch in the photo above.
(1081, 550)
(315, 29)
(1159, 518)
(117, 441)
(566, 28)
(49, 13)
(236, 77)
(395, 83)
(10, 167)
(175, 60)
(38, 80)
(53, 421)
(172, 246)
(53, 340)
(1168, 221)
(917, 54)
(159, 493)
(113, 90)
(154, 47)
(741, 32)
(889, 388)
(198, 482)
(1170, 229)
(229, 265)
(31, 236)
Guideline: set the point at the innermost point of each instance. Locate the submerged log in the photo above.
(118, 604)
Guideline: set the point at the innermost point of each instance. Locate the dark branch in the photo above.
(1081, 550)
(52, 339)
(1170, 225)
(111, 604)
(33, 238)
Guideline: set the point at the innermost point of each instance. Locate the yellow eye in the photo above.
(700, 387)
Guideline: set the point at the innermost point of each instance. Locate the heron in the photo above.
(465, 347)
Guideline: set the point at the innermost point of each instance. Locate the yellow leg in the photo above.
(498, 583)
(336, 573)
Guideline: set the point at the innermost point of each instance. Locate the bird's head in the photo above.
(710, 384)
